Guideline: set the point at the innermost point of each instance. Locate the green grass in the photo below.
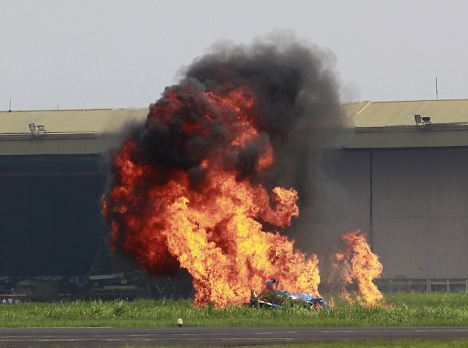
(354, 344)
(402, 310)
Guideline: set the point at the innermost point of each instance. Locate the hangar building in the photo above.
(401, 177)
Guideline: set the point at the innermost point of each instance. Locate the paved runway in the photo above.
(108, 337)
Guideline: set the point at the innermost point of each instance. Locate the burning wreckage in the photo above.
(275, 298)
(213, 177)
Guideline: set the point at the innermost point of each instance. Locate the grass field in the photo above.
(402, 310)
(356, 344)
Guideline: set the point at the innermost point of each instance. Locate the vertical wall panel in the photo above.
(421, 212)
(340, 201)
(50, 222)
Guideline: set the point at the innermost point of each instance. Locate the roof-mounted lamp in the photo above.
(422, 121)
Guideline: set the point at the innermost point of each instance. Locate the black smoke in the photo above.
(297, 110)
(297, 103)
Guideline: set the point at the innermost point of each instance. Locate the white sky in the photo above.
(116, 53)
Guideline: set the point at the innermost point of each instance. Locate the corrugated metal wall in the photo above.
(49, 214)
(413, 203)
(340, 202)
(420, 212)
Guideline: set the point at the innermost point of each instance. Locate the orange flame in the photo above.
(215, 231)
(361, 265)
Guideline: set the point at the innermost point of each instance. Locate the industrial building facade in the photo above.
(400, 178)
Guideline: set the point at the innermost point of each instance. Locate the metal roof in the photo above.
(391, 124)
(91, 121)
(401, 113)
(363, 114)
(382, 124)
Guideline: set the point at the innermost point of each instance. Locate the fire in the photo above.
(360, 264)
(184, 202)
(200, 184)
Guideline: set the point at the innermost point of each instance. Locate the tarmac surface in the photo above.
(111, 337)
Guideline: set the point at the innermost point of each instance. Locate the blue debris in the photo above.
(274, 297)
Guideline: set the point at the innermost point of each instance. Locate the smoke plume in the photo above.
(261, 113)
(297, 104)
